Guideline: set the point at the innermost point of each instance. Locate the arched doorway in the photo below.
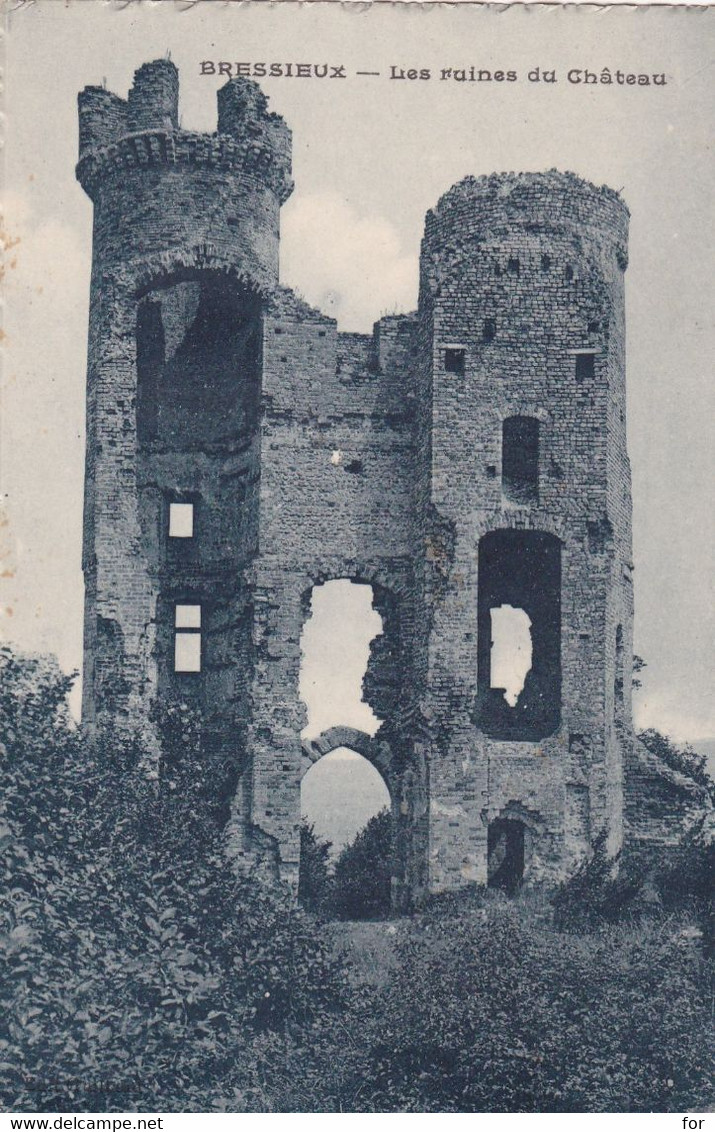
(347, 795)
(346, 860)
(339, 794)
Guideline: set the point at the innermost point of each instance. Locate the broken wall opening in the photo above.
(337, 641)
(511, 652)
(198, 367)
(520, 575)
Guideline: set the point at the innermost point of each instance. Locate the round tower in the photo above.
(524, 464)
(185, 253)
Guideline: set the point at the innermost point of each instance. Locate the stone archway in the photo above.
(370, 747)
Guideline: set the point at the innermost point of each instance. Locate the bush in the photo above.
(361, 882)
(141, 973)
(597, 893)
(681, 758)
(490, 1011)
(683, 877)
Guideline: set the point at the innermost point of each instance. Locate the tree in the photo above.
(361, 883)
(314, 880)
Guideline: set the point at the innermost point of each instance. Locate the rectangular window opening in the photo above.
(181, 520)
(454, 357)
(188, 617)
(187, 638)
(520, 460)
(585, 367)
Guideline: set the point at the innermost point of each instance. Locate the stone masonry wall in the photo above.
(520, 272)
(385, 459)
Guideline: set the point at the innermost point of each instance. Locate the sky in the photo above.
(371, 155)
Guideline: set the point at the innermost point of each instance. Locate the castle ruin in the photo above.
(465, 459)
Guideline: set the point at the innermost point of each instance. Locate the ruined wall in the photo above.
(460, 459)
(335, 502)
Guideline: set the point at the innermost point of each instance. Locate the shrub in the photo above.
(141, 972)
(678, 757)
(597, 893)
(490, 1011)
(361, 883)
(683, 877)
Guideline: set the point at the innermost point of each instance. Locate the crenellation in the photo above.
(102, 118)
(153, 102)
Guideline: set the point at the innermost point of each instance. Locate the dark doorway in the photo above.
(505, 859)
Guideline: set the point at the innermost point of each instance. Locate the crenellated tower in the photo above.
(185, 257)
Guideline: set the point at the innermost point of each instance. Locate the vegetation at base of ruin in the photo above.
(680, 757)
(643, 883)
(358, 887)
(138, 968)
(142, 975)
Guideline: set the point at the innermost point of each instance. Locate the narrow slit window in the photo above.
(187, 638)
(181, 520)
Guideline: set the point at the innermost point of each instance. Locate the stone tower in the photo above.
(467, 461)
(525, 499)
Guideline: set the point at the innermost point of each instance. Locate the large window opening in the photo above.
(519, 634)
(520, 460)
(198, 363)
(506, 854)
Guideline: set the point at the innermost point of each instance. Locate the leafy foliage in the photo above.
(682, 758)
(314, 881)
(361, 883)
(638, 665)
(491, 1010)
(141, 972)
(597, 893)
